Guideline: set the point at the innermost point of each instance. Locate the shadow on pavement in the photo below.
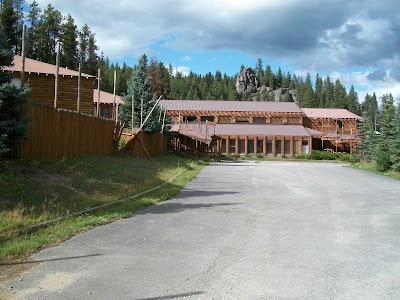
(44, 260)
(165, 208)
(173, 296)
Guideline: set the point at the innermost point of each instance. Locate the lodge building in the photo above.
(267, 128)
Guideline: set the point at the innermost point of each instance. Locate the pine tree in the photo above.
(69, 55)
(307, 94)
(139, 86)
(259, 70)
(13, 124)
(319, 88)
(387, 127)
(49, 33)
(366, 147)
(9, 25)
(352, 101)
(32, 39)
(395, 146)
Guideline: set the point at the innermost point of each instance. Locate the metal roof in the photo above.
(107, 98)
(330, 113)
(215, 105)
(247, 129)
(35, 66)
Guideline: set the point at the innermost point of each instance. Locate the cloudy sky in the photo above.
(353, 40)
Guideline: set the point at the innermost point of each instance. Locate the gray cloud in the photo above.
(324, 35)
(377, 75)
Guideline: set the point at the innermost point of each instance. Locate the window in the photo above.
(105, 112)
(207, 118)
(223, 146)
(260, 146)
(287, 147)
(16, 82)
(269, 146)
(189, 119)
(232, 146)
(242, 120)
(278, 145)
(259, 120)
(305, 146)
(241, 146)
(94, 110)
(250, 146)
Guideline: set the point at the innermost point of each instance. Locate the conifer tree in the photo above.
(32, 39)
(13, 123)
(352, 101)
(69, 54)
(139, 86)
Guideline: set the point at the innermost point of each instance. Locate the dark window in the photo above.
(223, 146)
(189, 119)
(269, 146)
(105, 112)
(278, 147)
(260, 146)
(232, 146)
(287, 147)
(207, 118)
(250, 146)
(241, 146)
(259, 120)
(242, 120)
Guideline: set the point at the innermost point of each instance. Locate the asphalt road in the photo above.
(270, 230)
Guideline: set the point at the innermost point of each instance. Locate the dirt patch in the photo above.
(12, 268)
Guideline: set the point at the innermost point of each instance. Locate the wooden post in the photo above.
(23, 56)
(98, 93)
(237, 145)
(57, 75)
(265, 145)
(227, 144)
(255, 145)
(246, 142)
(163, 122)
(141, 112)
(283, 146)
(115, 88)
(274, 146)
(291, 146)
(133, 112)
(78, 101)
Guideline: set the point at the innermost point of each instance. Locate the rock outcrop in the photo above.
(246, 82)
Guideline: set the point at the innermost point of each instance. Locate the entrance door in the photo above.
(305, 147)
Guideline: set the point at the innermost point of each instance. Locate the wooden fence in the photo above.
(154, 143)
(63, 133)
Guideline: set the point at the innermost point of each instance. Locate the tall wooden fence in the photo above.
(154, 143)
(63, 133)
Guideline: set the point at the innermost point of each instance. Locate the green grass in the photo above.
(34, 191)
(371, 167)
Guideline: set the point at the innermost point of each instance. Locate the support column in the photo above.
(237, 145)
(309, 145)
(227, 144)
(274, 146)
(291, 145)
(255, 145)
(283, 146)
(246, 140)
(265, 146)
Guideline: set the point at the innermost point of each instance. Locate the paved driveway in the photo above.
(270, 230)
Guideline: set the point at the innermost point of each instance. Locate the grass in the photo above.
(34, 191)
(371, 167)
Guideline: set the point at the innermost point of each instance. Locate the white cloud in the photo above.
(182, 69)
(187, 58)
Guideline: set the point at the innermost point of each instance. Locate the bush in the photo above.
(383, 161)
(322, 155)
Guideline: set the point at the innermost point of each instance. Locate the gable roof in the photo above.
(107, 98)
(330, 113)
(35, 66)
(215, 105)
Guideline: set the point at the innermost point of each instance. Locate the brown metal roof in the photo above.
(248, 129)
(193, 134)
(330, 113)
(107, 98)
(214, 105)
(35, 66)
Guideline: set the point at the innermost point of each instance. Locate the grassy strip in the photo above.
(371, 167)
(36, 191)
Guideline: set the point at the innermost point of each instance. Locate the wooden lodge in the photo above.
(108, 105)
(267, 128)
(41, 78)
